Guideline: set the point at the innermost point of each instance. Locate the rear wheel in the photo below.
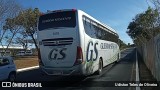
(117, 59)
(100, 67)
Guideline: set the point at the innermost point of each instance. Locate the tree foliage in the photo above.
(8, 28)
(27, 19)
(122, 44)
(144, 26)
(8, 10)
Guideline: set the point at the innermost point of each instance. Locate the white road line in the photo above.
(137, 72)
(28, 68)
(124, 49)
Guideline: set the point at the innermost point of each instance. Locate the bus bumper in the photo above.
(75, 70)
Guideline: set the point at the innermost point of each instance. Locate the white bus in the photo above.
(72, 42)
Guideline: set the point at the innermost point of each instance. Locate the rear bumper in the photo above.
(75, 70)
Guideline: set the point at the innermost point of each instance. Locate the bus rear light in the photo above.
(79, 56)
(39, 58)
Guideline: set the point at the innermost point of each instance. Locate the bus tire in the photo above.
(117, 59)
(100, 67)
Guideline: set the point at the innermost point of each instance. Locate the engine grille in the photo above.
(57, 41)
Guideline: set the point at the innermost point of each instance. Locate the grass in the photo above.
(23, 62)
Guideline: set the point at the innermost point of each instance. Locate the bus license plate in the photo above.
(57, 72)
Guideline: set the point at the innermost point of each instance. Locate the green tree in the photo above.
(122, 44)
(28, 20)
(143, 27)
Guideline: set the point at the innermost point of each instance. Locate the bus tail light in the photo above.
(39, 58)
(79, 57)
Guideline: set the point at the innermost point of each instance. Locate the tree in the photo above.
(22, 40)
(12, 28)
(28, 20)
(5, 8)
(157, 7)
(8, 10)
(144, 26)
(122, 44)
(156, 3)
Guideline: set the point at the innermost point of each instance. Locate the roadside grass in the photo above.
(23, 62)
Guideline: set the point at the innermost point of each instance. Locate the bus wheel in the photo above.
(100, 67)
(117, 59)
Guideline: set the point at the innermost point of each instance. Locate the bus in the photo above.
(71, 42)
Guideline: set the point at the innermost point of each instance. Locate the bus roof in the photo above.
(61, 10)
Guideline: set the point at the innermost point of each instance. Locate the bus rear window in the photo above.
(57, 20)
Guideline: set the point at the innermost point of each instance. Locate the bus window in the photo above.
(57, 20)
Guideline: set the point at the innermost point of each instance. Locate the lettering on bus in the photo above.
(56, 19)
(91, 48)
(57, 54)
(108, 46)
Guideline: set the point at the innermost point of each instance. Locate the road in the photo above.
(121, 71)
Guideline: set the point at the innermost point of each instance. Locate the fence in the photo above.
(150, 52)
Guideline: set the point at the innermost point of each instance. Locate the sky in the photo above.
(115, 13)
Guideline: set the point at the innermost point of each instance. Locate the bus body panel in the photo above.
(94, 49)
(58, 56)
(58, 46)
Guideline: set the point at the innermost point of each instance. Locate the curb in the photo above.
(28, 68)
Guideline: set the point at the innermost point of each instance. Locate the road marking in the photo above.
(137, 72)
(133, 68)
(124, 49)
(28, 68)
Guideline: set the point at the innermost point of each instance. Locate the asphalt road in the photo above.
(117, 72)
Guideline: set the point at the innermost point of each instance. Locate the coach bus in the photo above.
(71, 42)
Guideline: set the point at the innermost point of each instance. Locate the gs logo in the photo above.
(57, 54)
(91, 51)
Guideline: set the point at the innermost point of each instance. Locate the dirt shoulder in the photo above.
(23, 62)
